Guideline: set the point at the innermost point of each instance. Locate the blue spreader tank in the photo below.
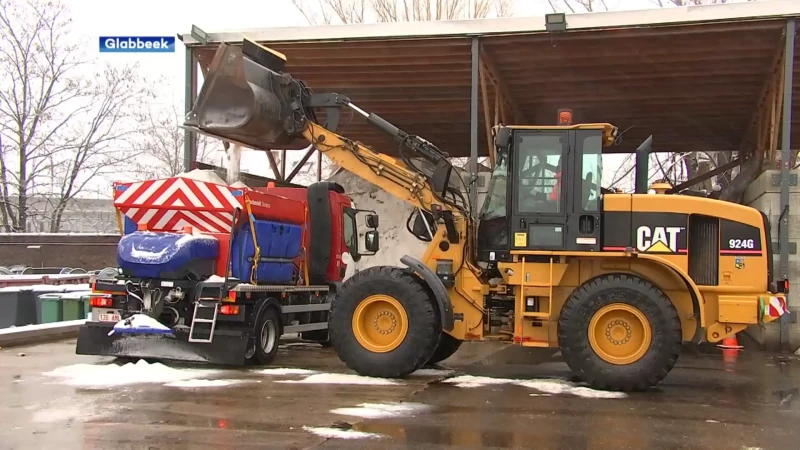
(147, 254)
(280, 243)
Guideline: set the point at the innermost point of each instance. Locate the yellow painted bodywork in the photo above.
(720, 310)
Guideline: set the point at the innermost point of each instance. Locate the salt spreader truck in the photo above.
(216, 274)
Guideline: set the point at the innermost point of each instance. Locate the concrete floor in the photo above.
(703, 403)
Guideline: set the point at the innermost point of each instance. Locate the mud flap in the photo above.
(437, 287)
(228, 347)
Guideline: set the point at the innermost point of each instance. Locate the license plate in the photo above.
(110, 318)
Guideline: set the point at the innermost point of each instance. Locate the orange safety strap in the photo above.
(555, 194)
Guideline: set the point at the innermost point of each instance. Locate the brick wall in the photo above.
(86, 251)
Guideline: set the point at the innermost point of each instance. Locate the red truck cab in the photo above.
(332, 230)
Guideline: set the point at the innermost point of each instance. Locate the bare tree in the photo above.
(60, 126)
(160, 145)
(360, 11)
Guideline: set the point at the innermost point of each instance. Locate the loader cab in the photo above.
(545, 191)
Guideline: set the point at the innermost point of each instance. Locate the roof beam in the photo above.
(757, 119)
(501, 88)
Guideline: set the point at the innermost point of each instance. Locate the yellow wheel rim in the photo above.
(620, 334)
(380, 323)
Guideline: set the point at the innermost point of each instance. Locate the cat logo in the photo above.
(657, 239)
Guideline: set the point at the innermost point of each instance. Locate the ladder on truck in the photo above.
(198, 320)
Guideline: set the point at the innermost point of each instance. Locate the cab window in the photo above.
(350, 233)
(592, 172)
(539, 173)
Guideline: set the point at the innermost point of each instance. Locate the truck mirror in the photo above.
(372, 220)
(503, 137)
(371, 241)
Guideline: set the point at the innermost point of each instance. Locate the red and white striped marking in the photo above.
(173, 203)
(777, 306)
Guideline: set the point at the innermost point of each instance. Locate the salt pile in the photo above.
(396, 241)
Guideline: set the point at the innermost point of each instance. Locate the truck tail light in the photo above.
(100, 302)
(229, 310)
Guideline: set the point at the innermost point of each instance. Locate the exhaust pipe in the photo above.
(247, 99)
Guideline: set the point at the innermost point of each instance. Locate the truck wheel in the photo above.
(384, 323)
(448, 345)
(619, 332)
(267, 336)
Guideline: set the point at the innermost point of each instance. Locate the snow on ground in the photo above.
(340, 433)
(42, 326)
(196, 383)
(382, 410)
(342, 378)
(112, 375)
(432, 373)
(286, 371)
(546, 386)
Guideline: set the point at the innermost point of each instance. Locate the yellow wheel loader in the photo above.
(615, 281)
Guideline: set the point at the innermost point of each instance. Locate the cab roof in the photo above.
(610, 132)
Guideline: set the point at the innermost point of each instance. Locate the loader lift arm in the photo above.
(248, 99)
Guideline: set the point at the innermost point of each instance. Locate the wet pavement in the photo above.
(704, 403)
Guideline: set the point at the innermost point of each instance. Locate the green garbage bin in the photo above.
(50, 305)
(87, 308)
(72, 305)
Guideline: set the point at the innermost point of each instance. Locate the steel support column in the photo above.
(473, 125)
(786, 133)
(190, 94)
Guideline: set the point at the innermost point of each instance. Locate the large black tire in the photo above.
(574, 331)
(423, 328)
(267, 336)
(448, 345)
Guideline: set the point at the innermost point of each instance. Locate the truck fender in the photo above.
(262, 305)
(437, 287)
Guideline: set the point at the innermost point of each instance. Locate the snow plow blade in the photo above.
(228, 347)
(246, 99)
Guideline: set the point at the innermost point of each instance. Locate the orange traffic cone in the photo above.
(730, 343)
(730, 350)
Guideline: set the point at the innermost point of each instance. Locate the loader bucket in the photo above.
(243, 101)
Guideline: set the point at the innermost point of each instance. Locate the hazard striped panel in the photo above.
(173, 203)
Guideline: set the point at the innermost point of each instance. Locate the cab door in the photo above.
(541, 189)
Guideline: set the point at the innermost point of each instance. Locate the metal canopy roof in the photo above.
(691, 76)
